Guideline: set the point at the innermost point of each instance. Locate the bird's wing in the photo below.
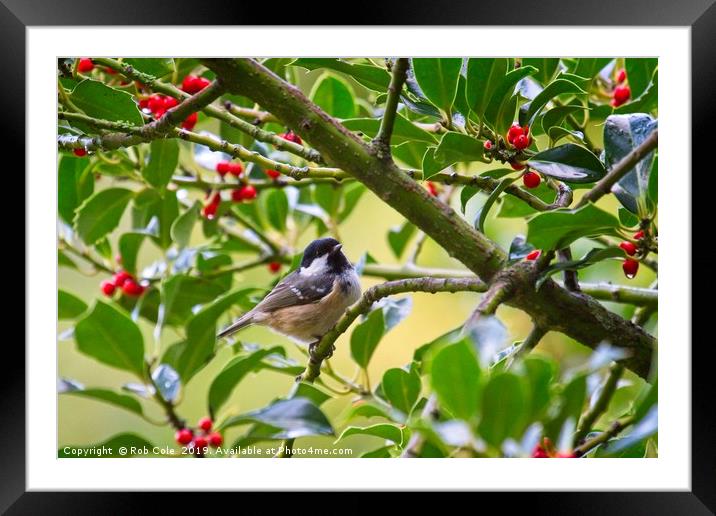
(296, 289)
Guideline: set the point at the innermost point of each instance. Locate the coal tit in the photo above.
(307, 303)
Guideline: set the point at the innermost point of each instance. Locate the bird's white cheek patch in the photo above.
(318, 266)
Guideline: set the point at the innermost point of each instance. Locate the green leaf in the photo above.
(546, 66)
(401, 388)
(483, 77)
(100, 213)
(230, 376)
(554, 89)
(519, 249)
(370, 76)
(366, 336)
(512, 207)
(163, 160)
(640, 70)
(130, 444)
(277, 208)
(383, 430)
(98, 100)
(295, 417)
(570, 407)
(455, 377)
(69, 306)
(653, 188)
(380, 453)
(111, 337)
(569, 162)
(458, 147)
(558, 133)
(592, 257)
(129, 244)
(75, 182)
(155, 66)
(590, 67)
(555, 116)
(190, 355)
(310, 392)
(504, 92)
(410, 154)
(491, 200)
(438, 77)
(622, 134)
(182, 227)
(403, 129)
(504, 407)
(557, 229)
(540, 372)
(334, 96)
(107, 396)
(466, 194)
(430, 165)
(627, 218)
(352, 193)
(399, 237)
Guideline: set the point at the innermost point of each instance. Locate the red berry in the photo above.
(144, 103)
(169, 102)
(248, 192)
(531, 179)
(183, 436)
(205, 424)
(621, 76)
(200, 442)
(222, 168)
(209, 211)
(566, 455)
(190, 121)
(85, 65)
(621, 95)
(236, 195)
(432, 188)
(292, 137)
(155, 103)
(215, 439)
(132, 288)
(235, 169)
(533, 255)
(514, 132)
(121, 277)
(79, 152)
(539, 452)
(630, 268)
(629, 248)
(526, 130)
(274, 267)
(521, 142)
(188, 85)
(516, 166)
(202, 83)
(107, 288)
(487, 145)
(638, 235)
(273, 174)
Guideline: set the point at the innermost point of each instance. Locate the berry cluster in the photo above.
(621, 93)
(630, 265)
(85, 65)
(229, 167)
(157, 105)
(519, 137)
(193, 84)
(200, 441)
(245, 193)
(124, 281)
(546, 450)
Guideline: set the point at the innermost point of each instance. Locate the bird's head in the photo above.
(324, 255)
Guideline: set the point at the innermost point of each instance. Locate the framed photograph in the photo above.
(435, 246)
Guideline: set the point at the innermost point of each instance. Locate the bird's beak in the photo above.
(336, 248)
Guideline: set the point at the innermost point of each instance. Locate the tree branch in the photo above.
(370, 296)
(615, 429)
(381, 143)
(622, 168)
(553, 307)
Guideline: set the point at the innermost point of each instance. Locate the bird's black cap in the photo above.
(326, 246)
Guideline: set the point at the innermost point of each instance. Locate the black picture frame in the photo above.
(700, 15)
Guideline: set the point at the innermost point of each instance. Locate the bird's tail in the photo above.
(241, 322)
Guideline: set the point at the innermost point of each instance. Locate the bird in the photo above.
(308, 302)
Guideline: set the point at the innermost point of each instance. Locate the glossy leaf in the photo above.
(455, 377)
(75, 182)
(571, 404)
(401, 388)
(557, 229)
(546, 66)
(100, 213)
(403, 130)
(504, 407)
(483, 77)
(438, 79)
(383, 430)
(310, 392)
(334, 96)
(182, 227)
(554, 89)
(277, 209)
(458, 147)
(155, 66)
(494, 195)
(109, 336)
(163, 160)
(366, 336)
(370, 76)
(69, 306)
(503, 94)
(98, 100)
(639, 71)
(399, 237)
(295, 417)
(110, 397)
(555, 116)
